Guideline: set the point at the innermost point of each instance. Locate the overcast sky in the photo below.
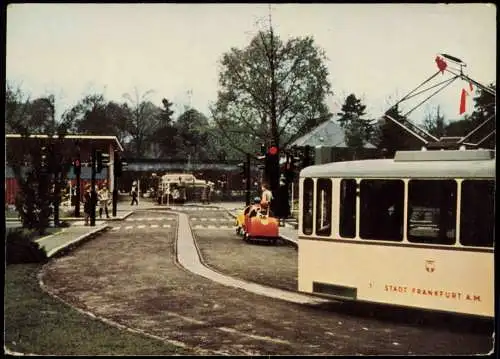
(376, 51)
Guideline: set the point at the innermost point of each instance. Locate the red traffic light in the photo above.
(273, 150)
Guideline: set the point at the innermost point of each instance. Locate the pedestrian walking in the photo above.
(134, 194)
(87, 204)
(282, 206)
(103, 200)
(205, 194)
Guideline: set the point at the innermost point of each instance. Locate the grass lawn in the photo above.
(39, 324)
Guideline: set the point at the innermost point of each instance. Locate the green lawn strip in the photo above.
(39, 324)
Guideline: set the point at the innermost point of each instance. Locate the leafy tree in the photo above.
(39, 185)
(390, 137)
(484, 108)
(141, 124)
(271, 91)
(23, 115)
(484, 105)
(192, 128)
(435, 124)
(90, 116)
(358, 131)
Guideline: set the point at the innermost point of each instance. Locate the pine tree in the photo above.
(357, 130)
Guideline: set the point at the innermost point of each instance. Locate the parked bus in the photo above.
(174, 186)
(415, 231)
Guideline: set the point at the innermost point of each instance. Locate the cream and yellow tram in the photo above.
(416, 230)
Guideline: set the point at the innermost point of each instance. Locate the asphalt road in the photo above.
(130, 275)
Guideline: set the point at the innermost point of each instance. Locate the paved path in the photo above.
(76, 233)
(68, 236)
(189, 258)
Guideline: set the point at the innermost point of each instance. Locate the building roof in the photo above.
(327, 134)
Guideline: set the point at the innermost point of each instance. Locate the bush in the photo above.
(21, 247)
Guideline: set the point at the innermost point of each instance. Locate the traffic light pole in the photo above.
(93, 196)
(115, 189)
(247, 180)
(77, 195)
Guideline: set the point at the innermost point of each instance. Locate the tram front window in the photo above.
(432, 211)
(477, 213)
(307, 207)
(382, 205)
(323, 207)
(347, 215)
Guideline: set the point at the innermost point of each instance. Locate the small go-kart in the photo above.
(256, 223)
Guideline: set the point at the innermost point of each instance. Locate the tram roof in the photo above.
(411, 164)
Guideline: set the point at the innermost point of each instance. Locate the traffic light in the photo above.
(102, 160)
(44, 158)
(244, 169)
(77, 167)
(272, 167)
(263, 149)
(290, 166)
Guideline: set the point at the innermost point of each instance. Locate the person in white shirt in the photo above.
(266, 198)
(103, 200)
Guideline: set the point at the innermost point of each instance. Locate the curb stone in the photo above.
(77, 240)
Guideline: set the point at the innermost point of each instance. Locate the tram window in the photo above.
(477, 213)
(307, 206)
(381, 212)
(323, 207)
(347, 215)
(432, 211)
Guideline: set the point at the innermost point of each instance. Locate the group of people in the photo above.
(103, 199)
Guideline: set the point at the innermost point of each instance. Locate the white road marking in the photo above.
(129, 227)
(141, 226)
(166, 226)
(154, 226)
(116, 228)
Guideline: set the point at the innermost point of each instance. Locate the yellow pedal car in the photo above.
(240, 220)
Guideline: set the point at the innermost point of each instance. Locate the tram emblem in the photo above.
(430, 266)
